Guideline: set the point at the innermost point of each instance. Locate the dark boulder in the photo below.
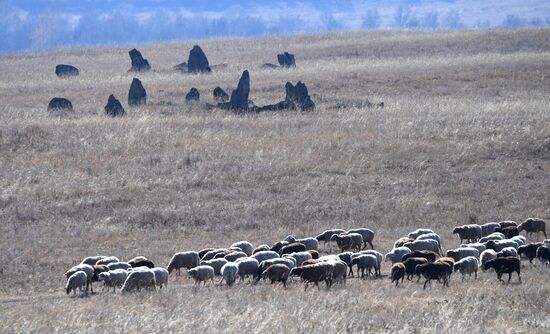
(66, 70)
(197, 62)
(286, 60)
(220, 95)
(193, 95)
(298, 96)
(139, 63)
(269, 66)
(113, 107)
(137, 95)
(239, 96)
(59, 103)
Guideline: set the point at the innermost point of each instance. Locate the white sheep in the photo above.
(180, 260)
(119, 265)
(487, 255)
(401, 241)
(264, 255)
(396, 254)
(379, 259)
(88, 269)
(493, 236)
(216, 264)
(364, 262)
(201, 274)
(327, 234)
(520, 239)
(418, 232)
(300, 257)
(106, 260)
(507, 251)
(499, 245)
(76, 280)
(429, 245)
(232, 257)
(488, 228)
(92, 260)
(461, 253)
(467, 265)
(245, 247)
(310, 243)
(432, 236)
(477, 245)
(229, 272)
(113, 278)
(161, 276)
(247, 267)
(139, 278)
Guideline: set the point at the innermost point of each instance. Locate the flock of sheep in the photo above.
(497, 246)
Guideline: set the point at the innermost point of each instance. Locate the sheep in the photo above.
(507, 252)
(119, 265)
(78, 280)
(113, 278)
(278, 245)
(204, 251)
(396, 254)
(211, 254)
(247, 267)
(520, 239)
(161, 276)
(470, 233)
(277, 273)
(89, 270)
(488, 228)
(410, 265)
(264, 255)
(287, 261)
(260, 248)
(499, 245)
(533, 225)
(401, 241)
(477, 245)
(493, 236)
(379, 259)
(509, 232)
(339, 271)
(314, 254)
(92, 260)
(245, 247)
(432, 236)
(310, 243)
(300, 257)
(504, 265)
(137, 259)
(326, 235)
(216, 264)
(530, 251)
(487, 255)
(428, 255)
(107, 260)
(235, 256)
(460, 253)
(201, 274)
(429, 244)
(223, 254)
(367, 234)
(364, 262)
(348, 241)
(143, 263)
(229, 272)
(185, 260)
(418, 232)
(467, 265)
(98, 268)
(543, 254)
(507, 223)
(434, 270)
(292, 248)
(449, 260)
(314, 273)
(138, 279)
(346, 257)
(397, 272)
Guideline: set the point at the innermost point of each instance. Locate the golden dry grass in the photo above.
(464, 136)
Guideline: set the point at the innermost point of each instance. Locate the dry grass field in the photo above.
(464, 136)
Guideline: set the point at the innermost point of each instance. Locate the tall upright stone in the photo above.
(297, 97)
(220, 95)
(139, 64)
(197, 62)
(193, 95)
(239, 96)
(114, 107)
(137, 94)
(286, 60)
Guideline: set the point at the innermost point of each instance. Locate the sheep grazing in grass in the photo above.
(346, 257)
(222, 255)
(488, 228)
(92, 260)
(533, 225)
(470, 233)
(507, 252)
(185, 260)
(119, 265)
(247, 267)
(201, 274)
(161, 276)
(364, 262)
(105, 261)
(396, 254)
(429, 244)
(432, 236)
(460, 253)
(235, 256)
(211, 254)
(428, 255)
(509, 232)
(379, 259)
(507, 223)
(264, 255)
(310, 243)
(366, 234)
(88, 269)
(418, 232)
(245, 247)
(216, 264)
(487, 255)
(77, 280)
(435, 271)
(467, 266)
(499, 245)
(504, 265)
(449, 260)
(261, 248)
(410, 266)
(99, 268)
(543, 254)
(339, 271)
(277, 273)
(314, 274)
(351, 241)
(230, 272)
(397, 273)
(139, 278)
(326, 235)
(402, 241)
(477, 245)
(114, 278)
(292, 248)
(493, 236)
(529, 251)
(289, 262)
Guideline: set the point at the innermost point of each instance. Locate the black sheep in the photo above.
(504, 265)
(410, 266)
(435, 270)
(530, 250)
(428, 255)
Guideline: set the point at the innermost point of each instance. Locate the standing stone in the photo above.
(286, 60)
(197, 62)
(113, 107)
(298, 97)
(193, 95)
(137, 95)
(66, 70)
(139, 64)
(220, 95)
(239, 96)
(59, 103)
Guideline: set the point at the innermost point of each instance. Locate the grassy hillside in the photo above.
(463, 137)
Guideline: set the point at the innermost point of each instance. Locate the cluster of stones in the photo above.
(286, 60)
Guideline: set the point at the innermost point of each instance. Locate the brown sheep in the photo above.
(530, 251)
(294, 247)
(410, 266)
(314, 273)
(398, 272)
(435, 270)
(504, 265)
(507, 223)
(533, 225)
(309, 262)
(352, 241)
(428, 255)
(260, 248)
(509, 231)
(471, 233)
(277, 273)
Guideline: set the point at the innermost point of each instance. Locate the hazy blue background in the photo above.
(47, 24)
